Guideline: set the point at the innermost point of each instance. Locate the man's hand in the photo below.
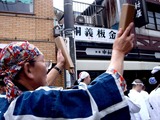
(54, 73)
(124, 41)
(121, 46)
(60, 59)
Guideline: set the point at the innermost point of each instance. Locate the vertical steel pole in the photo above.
(69, 32)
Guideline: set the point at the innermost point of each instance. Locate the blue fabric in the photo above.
(71, 104)
(3, 106)
(54, 104)
(121, 114)
(105, 99)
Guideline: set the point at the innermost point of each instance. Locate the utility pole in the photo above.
(69, 33)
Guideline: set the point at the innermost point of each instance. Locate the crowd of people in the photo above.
(29, 95)
(144, 105)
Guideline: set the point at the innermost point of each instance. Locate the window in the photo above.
(153, 16)
(157, 15)
(151, 23)
(17, 6)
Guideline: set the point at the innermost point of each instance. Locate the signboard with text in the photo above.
(103, 51)
(141, 16)
(94, 34)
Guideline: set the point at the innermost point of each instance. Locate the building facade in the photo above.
(32, 21)
(95, 33)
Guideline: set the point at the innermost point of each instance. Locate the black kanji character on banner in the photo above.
(112, 35)
(89, 32)
(101, 33)
(78, 31)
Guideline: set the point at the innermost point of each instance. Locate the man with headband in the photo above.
(154, 96)
(25, 75)
(136, 96)
(83, 81)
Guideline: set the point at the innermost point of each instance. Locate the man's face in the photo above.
(39, 72)
(87, 79)
(139, 87)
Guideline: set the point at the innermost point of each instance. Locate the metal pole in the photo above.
(69, 32)
(119, 8)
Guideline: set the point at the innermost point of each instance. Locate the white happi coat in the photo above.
(154, 104)
(143, 114)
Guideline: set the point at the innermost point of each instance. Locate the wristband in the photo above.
(119, 77)
(58, 69)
